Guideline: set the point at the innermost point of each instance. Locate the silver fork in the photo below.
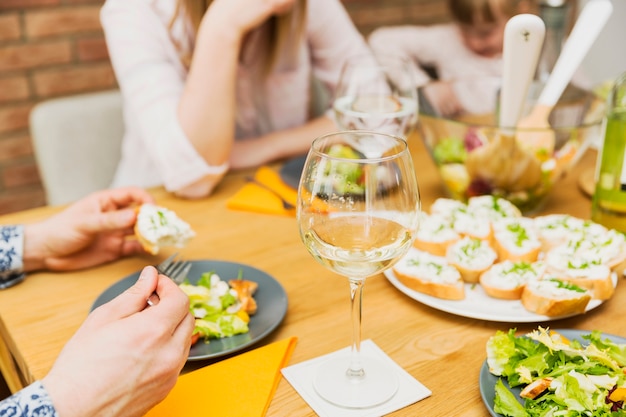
(177, 271)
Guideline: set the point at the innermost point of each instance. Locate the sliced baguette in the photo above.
(554, 297)
(471, 257)
(158, 227)
(469, 225)
(492, 208)
(429, 274)
(601, 288)
(556, 229)
(515, 239)
(507, 280)
(434, 235)
(584, 269)
(608, 245)
(447, 208)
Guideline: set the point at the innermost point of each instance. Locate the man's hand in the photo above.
(89, 232)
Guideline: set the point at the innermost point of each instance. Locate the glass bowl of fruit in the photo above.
(458, 123)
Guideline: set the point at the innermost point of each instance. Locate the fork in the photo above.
(177, 271)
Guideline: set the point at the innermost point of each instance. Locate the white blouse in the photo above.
(146, 58)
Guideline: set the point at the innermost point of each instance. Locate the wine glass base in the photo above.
(378, 386)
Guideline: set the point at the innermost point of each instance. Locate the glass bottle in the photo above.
(609, 199)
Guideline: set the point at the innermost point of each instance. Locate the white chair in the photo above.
(77, 143)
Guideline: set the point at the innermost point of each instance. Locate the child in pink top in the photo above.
(469, 46)
(227, 85)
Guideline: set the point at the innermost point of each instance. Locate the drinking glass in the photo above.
(358, 210)
(377, 93)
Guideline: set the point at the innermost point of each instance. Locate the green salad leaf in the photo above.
(506, 403)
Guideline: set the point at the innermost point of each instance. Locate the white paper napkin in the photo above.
(301, 377)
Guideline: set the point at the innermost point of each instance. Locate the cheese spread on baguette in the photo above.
(471, 257)
(429, 274)
(461, 219)
(447, 207)
(434, 235)
(492, 208)
(608, 245)
(158, 227)
(556, 229)
(515, 239)
(583, 269)
(506, 280)
(554, 297)
(468, 224)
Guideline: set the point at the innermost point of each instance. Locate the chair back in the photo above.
(77, 143)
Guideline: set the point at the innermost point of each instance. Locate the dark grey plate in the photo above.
(270, 297)
(291, 171)
(487, 381)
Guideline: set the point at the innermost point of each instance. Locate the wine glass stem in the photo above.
(356, 298)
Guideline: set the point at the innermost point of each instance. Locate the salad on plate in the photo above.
(220, 308)
(558, 376)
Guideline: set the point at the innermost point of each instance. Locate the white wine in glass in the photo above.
(358, 211)
(377, 93)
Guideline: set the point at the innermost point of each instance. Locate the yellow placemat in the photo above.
(240, 386)
(254, 197)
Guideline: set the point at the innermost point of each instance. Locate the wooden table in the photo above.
(443, 351)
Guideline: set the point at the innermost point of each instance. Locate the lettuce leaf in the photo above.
(506, 403)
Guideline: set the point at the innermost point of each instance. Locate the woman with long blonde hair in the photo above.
(212, 85)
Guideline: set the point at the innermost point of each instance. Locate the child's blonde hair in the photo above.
(281, 28)
(469, 11)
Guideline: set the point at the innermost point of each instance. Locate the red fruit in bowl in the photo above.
(472, 139)
(478, 187)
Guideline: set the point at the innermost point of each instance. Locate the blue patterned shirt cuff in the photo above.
(32, 401)
(11, 255)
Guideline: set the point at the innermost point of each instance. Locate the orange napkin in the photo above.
(240, 386)
(253, 197)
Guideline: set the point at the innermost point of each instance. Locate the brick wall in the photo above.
(52, 48)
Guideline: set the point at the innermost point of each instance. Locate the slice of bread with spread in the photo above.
(158, 227)
(556, 229)
(515, 239)
(429, 274)
(554, 297)
(434, 235)
(608, 245)
(583, 269)
(469, 225)
(492, 208)
(507, 280)
(471, 257)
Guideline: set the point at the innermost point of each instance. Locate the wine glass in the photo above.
(377, 93)
(358, 209)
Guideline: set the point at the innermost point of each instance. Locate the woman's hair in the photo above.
(281, 29)
(469, 11)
